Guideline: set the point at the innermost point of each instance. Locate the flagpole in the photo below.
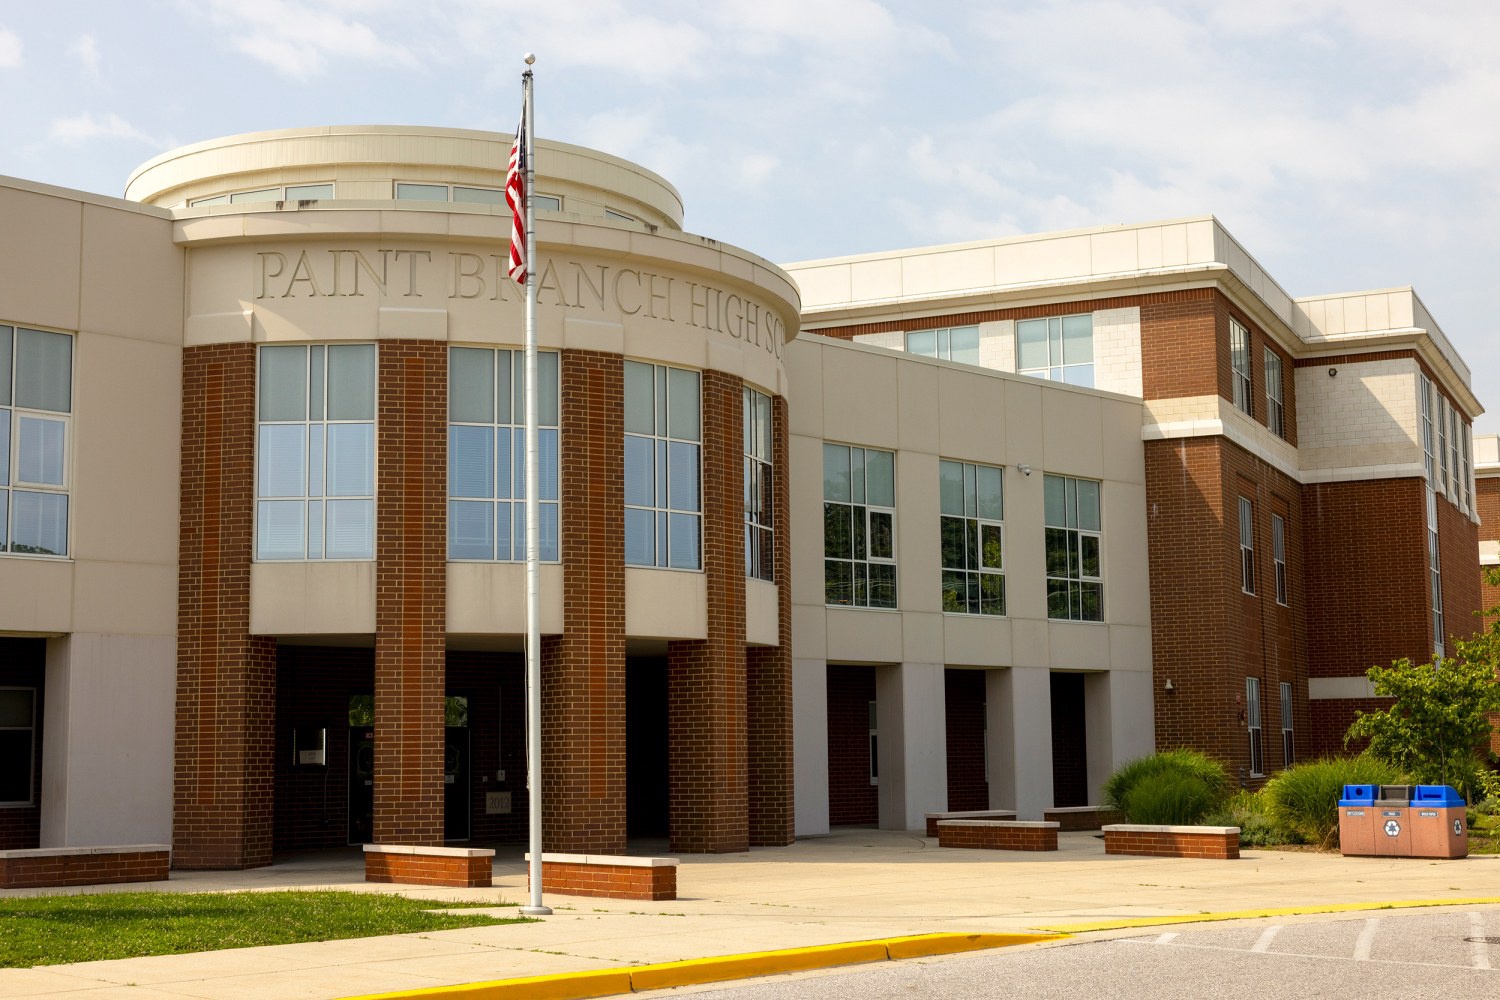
(533, 534)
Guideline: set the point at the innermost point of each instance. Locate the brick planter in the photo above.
(998, 834)
(1070, 818)
(1217, 842)
(933, 819)
(54, 866)
(611, 875)
(458, 867)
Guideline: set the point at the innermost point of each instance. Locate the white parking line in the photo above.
(1166, 938)
(1366, 940)
(1263, 943)
(1479, 947)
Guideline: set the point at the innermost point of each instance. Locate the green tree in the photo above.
(1438, 727)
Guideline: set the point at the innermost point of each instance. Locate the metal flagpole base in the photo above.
(537, 911)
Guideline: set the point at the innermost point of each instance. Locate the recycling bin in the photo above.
(1439, 823)
(1357, 821)
(1392, 808)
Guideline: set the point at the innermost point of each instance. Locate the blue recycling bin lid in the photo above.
(1357, 795)
(1436, 796)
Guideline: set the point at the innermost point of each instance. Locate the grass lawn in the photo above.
(49, 930)
(1484, 835)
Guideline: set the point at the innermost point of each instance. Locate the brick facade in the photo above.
(596, 877)
(458, 869)
(226, 678)
(583, 670)
(82, 866)
(410, 591)
(768, 682)
(1207, 843)
(706, 678)
(963, 706)
(997, 835)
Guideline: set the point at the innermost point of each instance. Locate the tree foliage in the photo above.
(1438, 727)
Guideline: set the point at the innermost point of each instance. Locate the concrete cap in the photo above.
(617, 860)
(439, 852)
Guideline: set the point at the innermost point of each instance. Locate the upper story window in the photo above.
(1445, 468)
(959, 343)
(1435, 572)
(1455, 473)
(36, 400)
(663, 432)
(1253, 726)
(1247, 546)
(973, 535)
(315, 452)
(17, 745)
(467, 194)
(1275, 409)
(1239, 366)
(1287, 748)
(1075, 583)
(609, 213)
(1425, 402)
(1060, 348)
(859, 526)
(1278, 556)
(487, 454)
(760, 493)
(291, 192)
(1466, 456)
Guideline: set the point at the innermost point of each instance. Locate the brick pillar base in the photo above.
(411, 592)
(226, 678)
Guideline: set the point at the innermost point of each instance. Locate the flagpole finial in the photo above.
(530, 58)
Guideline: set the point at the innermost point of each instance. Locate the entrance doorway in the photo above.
(647, 801)
(1070, 751)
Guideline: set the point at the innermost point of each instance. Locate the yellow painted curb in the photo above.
(1284, 911)
(760, 963)
(919, 945)
(609, 982)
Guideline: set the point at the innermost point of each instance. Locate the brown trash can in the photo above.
(1392, 822)
(1439, 823)
(1356, 831)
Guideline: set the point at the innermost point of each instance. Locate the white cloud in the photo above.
(10, 49)
(298, 38)
(86, 50)
(82, 128)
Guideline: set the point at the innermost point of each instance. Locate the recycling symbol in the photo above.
(1458, 828)
(1392, 828)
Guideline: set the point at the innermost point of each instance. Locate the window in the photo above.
(1455, 473)
(36, 400)
(487, 454)
(1060, 348)
(1445, 471)
(315, 453)
(1252, 723)
(292, 192)
(1287, 749)
(17, 745)
(1435, 568)
(760, 495)
(662, 491)
(1275, 410)
(609, 213)
(1239, 366)
(1247, 546)
(1075, 586)
(465, 195)
(1278, 556)
(874, 747)
(1427, 447)
(1466, 455)
(859, 527)
(973, 538)
(959, 343)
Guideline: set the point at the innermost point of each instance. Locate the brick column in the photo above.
(410, 591)
(768, 671)
(583, 670)
(706, 678)
(226, 678)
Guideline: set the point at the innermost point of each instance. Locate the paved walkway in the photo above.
(851, 886)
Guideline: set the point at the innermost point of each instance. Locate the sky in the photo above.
(1347, 144)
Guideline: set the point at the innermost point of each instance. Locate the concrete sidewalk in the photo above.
(854, 885)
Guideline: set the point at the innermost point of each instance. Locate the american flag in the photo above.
(515, 197)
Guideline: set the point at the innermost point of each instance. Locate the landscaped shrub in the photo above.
(1175, 787)
(1304, 799)
(1249, 811)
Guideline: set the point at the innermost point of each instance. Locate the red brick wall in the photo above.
(706, 679)
(223, 786)
(852, 800)
(1487, 502)
(83, 869)
(963, 700)
(999, 836)
(583, 670)
(611, 881)
(1156, 844)
(1458, 554)
(23, 663)
(411, 591)
(1207, 634)
(768, 686)
(428, 869)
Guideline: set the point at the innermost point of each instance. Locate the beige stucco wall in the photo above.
(1364, 415)
(924, 410)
